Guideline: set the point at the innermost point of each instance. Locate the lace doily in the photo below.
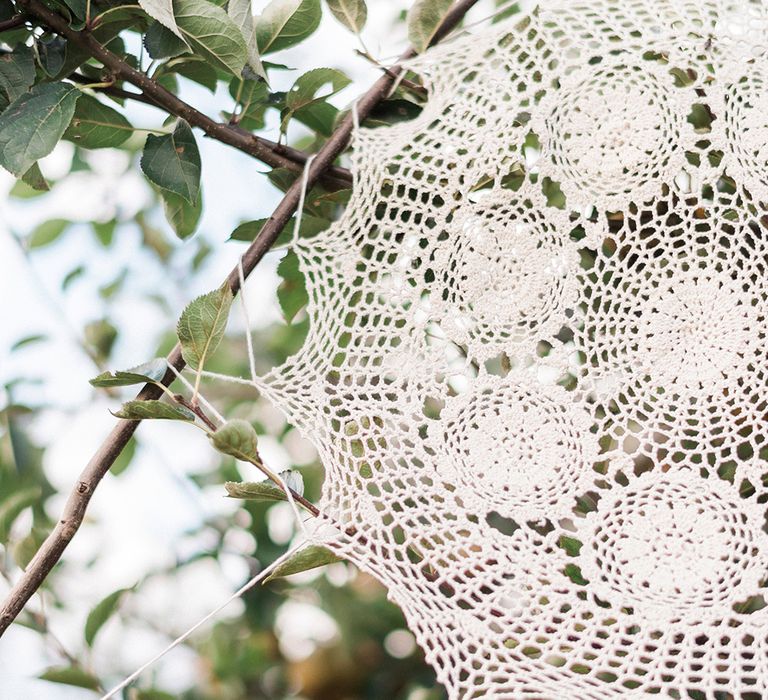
(536, 369)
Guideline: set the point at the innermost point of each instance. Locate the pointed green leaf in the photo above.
(161, 42)
(284, 23)
(239, 12)
(309, 557)
(141, 410)
(211, 34)
(202, 324)
(292, 292)
(424, 19)
(100, 613)
(96, 125)
(196, 70)
(351, 13)
(172, 162)
(265, 490)
(33, 124)
(47, 232)
(238, 439)
(182, 216)
(35, 179)
(12, 506)
(306, 89)
(28, 340)
(309, 226)
(162, 11)
(17, 73)
(152, 371)
(71, 675)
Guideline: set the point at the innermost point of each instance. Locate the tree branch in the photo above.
(13, 22)
(298, 158)
(154, 93)
(77, 503)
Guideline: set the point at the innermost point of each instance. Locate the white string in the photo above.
(230, 378)
(355, 117)
(202, 398)
(310, 537)
(239, 592)
(300, 209)
(244, 307)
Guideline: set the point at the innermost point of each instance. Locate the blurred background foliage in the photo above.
(116, 214)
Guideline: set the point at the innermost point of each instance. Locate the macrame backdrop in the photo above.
(536, 370)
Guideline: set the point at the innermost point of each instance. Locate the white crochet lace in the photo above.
(536, 371)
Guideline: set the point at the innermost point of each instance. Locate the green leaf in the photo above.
(125, 458)
(141, 410)
(196, 70)
(319, 116)
(47, 232)
(182, 216)
(161, 42)
(96, 125)
(74, 274)
(28, 340)
(71, 675)
(33, 124)
(306, 88)
(162, 11)
(292, 292)
(309, 557)
(265, 490)
(78, 7)
(17, 73)
(152, 371)
(101, 334)
(12, 506)
(238, 439)
(571, 545)
(239, 12)
(211, 34)
(52, 52)
(310, 226)
(351, 13)
(35, 179)
(202, 324)
(284, 23)
(100, 613)
(424, 19)
(573, 572)
(172, 162)
(25, 549)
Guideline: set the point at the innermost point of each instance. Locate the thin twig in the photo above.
(77, 503)
(13, 22)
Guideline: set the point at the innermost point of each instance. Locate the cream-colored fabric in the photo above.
(536, 370)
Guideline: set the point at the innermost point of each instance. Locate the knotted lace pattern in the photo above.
(536, 368)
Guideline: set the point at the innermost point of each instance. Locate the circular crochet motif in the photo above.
(675, 546)
(612, 133)
(746, 129)
(537, 361)
(508, 278)
(517, 448)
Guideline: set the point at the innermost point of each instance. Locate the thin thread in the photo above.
(230, 378)
(201, 398)
(300, 208)
(239, 592)
(302, 526)
(244, 306)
